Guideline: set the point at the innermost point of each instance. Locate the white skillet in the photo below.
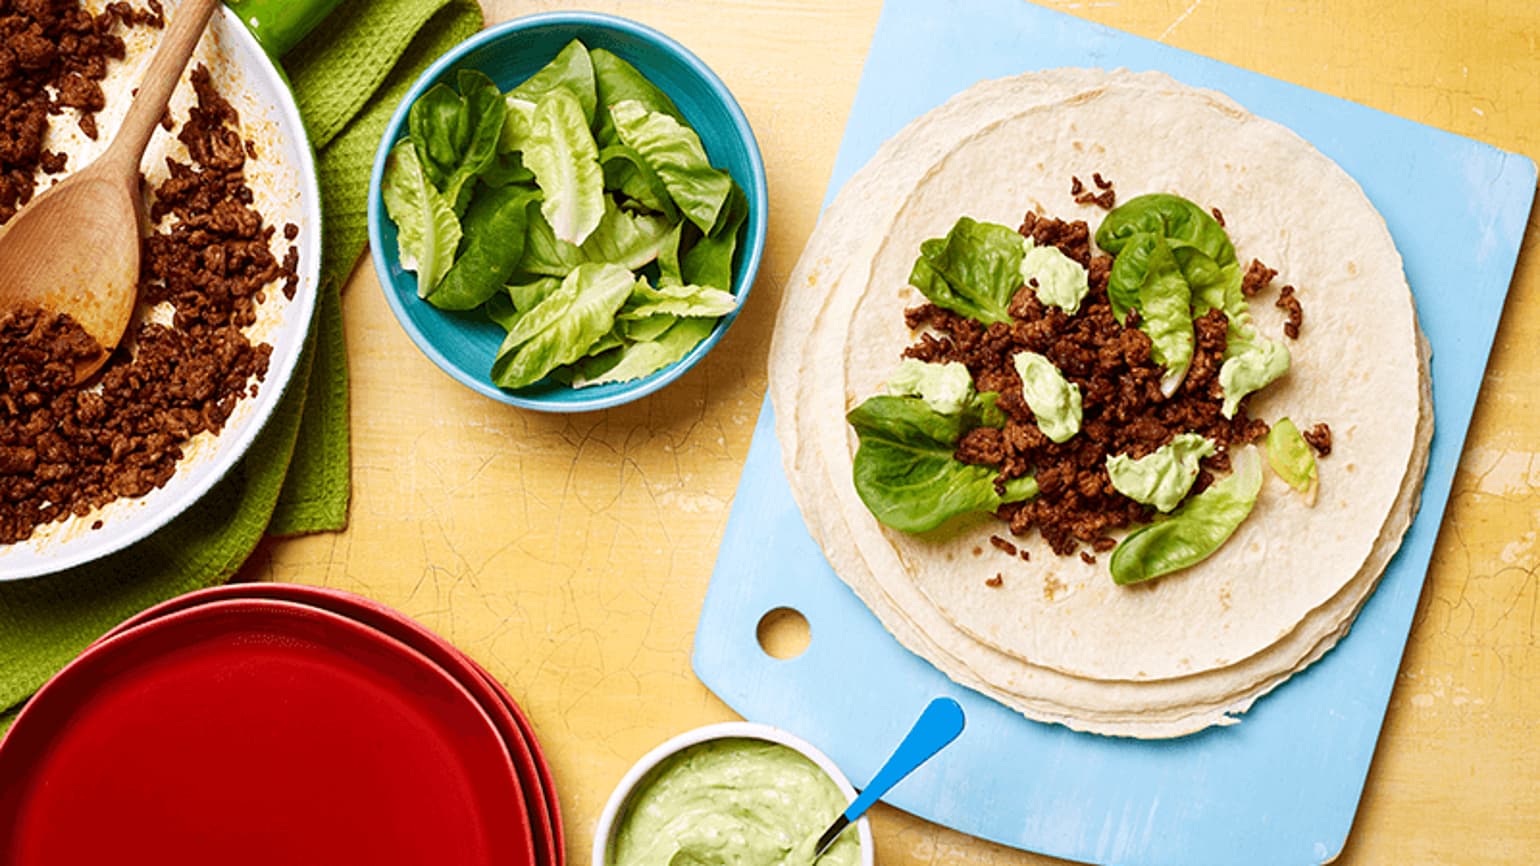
(283, 180)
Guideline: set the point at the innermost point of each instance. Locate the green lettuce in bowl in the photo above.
(568, 211)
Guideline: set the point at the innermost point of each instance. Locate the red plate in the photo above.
(535, 774)
(257, 732)
(541, 767)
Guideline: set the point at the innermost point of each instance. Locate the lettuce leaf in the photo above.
(1165, 310)
(1139, 232)
(673, 299)
(669, 269)
(1197, 241)
(618, 81)
(626, 171)
(524, 296)
(494, 232)
(564, 326)
(427, 229)
(645, 328)
(905, 470)
(507, 169)
(622, 238)
(710, 261)
(675, 153)
(456, 134)
(636, 360)
(562, 154)
(544, 253)
(439, 130)
(973, 271)
(1292, 459)
(518, 121)
(573, 71)
(1195, 530)
(500, 309)
(506, 307)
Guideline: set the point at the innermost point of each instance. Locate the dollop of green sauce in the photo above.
(1162, 478)
(732, 802)
(1061, 281)
(945, 388)
(1054, 400)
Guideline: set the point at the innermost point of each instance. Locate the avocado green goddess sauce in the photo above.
(732, 802)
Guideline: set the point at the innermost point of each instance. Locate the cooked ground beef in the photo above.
(53, 55)
(1257, 278)
(152, 14)
(1106, 198)
(1123, 409)
(996, 581)
(1288, 302)
(1002, 545)
(1072, 238)
(1218, 217)
(66, 450)
(1319, 438)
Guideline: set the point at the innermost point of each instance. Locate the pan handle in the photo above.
(280, 24)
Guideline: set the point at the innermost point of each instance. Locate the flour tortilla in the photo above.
(1186, 651)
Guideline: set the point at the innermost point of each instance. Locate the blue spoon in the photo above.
(939, 725)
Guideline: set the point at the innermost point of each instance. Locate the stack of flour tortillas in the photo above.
(1056, 639)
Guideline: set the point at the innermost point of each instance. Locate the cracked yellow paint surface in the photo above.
(570, 555)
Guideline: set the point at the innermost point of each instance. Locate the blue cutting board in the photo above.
(1282, 786)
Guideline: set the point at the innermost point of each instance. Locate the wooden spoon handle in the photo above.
(176, 47)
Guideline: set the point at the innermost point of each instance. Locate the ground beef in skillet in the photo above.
(66, 450)
(53, 55)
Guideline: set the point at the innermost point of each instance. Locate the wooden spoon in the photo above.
(75, 248)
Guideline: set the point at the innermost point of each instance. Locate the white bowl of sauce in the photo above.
(737, 792)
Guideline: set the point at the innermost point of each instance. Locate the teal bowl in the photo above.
(464, 344)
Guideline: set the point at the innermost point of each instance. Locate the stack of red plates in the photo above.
(275, 724)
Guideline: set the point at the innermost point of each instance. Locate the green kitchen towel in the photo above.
(348, 77)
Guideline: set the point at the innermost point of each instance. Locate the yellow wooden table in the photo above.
(570, 555)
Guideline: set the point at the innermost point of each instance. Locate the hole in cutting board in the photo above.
(784, 633)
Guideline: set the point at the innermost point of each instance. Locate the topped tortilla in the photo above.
(1056, 638)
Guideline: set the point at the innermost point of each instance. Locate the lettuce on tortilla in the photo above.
(905, 470)
(1193, 531)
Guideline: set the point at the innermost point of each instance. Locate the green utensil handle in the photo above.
(279, 25)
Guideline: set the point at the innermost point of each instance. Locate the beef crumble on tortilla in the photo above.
(1138, 452)
(1058, 640)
